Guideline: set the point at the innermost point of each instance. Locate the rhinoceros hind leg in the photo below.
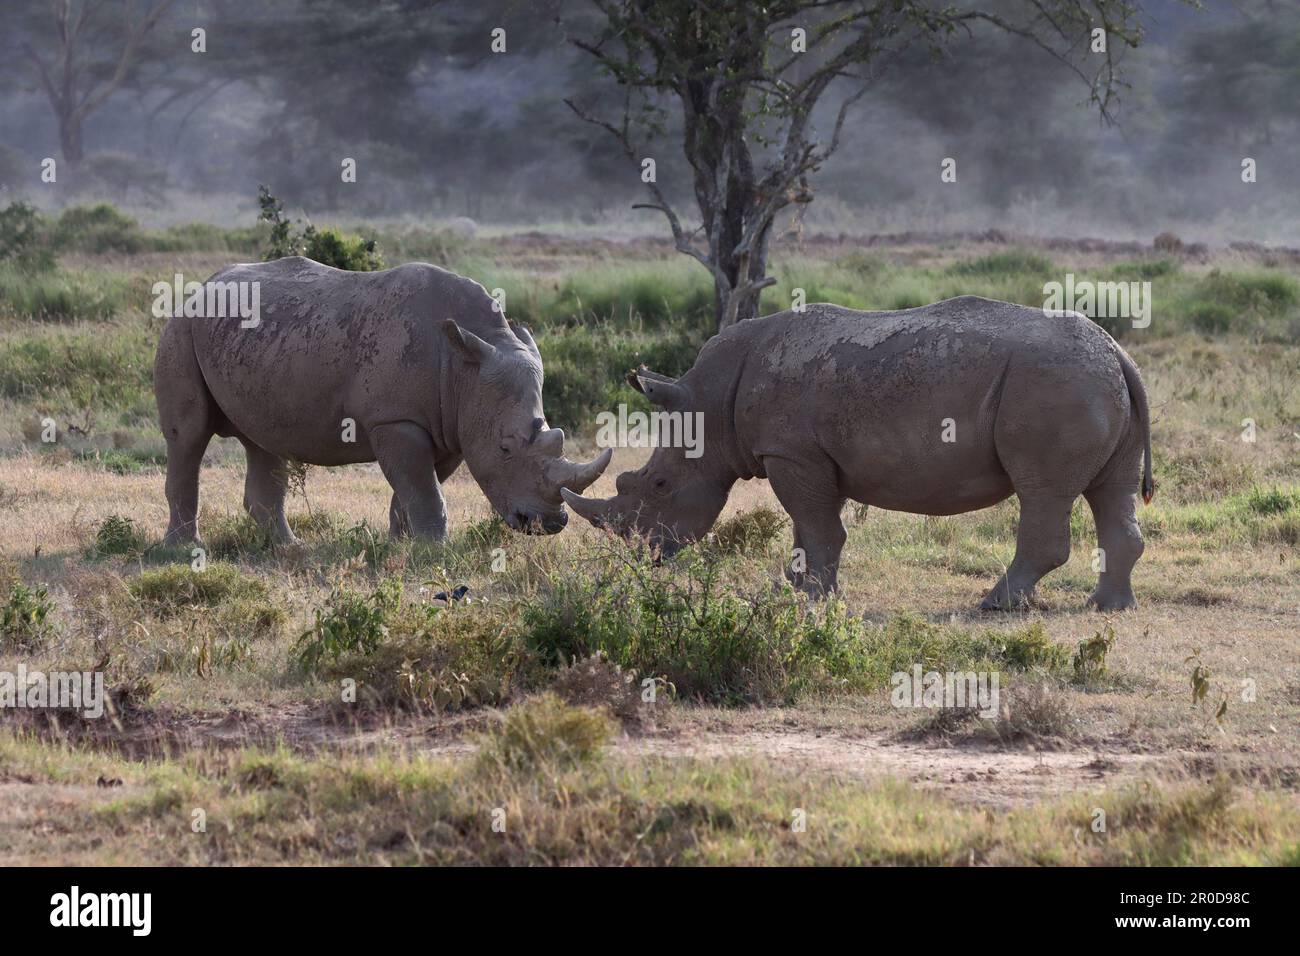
(1120, 540)
(264, 491)
(1042, 545)
(405, 454)
(188, 416)
(184, 458)
(813, 501)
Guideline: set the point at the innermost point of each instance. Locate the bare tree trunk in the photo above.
(739, 269)
(70, 140)
(733, 304)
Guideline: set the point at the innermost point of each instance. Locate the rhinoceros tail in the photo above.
(1137, 391)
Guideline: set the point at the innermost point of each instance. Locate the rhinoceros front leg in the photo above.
(399, 522)
(811, 497)
(405, 454)
(1042, 545)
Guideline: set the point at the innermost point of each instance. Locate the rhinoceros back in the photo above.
(329, 346)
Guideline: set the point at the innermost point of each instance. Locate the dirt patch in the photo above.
(999, 775)
(164, 731)
(993, 776)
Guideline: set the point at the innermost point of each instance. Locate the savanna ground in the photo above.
(1165, 735)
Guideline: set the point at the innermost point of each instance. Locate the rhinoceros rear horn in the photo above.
(551, 442)
(469, 345)
(593, 509)
(660, 389)
(574, 477)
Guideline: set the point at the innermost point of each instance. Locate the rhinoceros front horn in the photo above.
(593, 509)
(572, 476)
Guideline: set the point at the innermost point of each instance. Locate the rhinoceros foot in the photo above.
(1112, 600)
(1001, 598)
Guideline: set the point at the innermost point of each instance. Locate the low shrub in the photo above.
(544, 732)
(431, 659)
(349, 623)
(1271, 501)
(750, 532)
(329, 247)
(97, 229)
(680, 623)
(1263, 293)
(24, 238)
(599, 682)
(119, 535)
(25, 617)
(240, 602)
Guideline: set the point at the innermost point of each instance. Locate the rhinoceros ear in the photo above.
(526, 337)
(660, 389)
(473, 348)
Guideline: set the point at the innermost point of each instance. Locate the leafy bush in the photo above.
(1090, 656)
(24, 238)
(327, 246)
(25, 618)
(97, 229)
(679, 622)
(1211, 318)
(1261, 293)
(1030, 647)
(334, 248)
(119, 535)
(350, 623)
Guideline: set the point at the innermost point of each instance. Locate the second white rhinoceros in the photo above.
(936, 410)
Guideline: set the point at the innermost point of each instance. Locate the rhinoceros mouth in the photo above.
(537, 523)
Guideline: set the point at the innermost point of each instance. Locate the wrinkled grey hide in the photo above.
(416, 357)
(833, 404)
